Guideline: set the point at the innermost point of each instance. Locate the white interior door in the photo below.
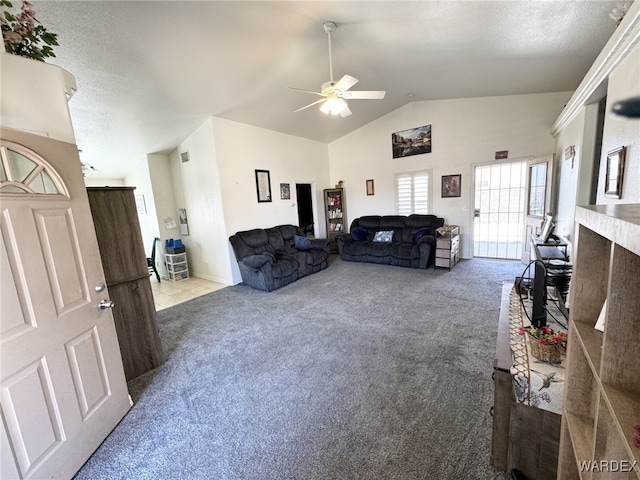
(62, 385)
(538, 198)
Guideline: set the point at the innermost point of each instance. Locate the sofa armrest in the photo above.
(258, 261)
(428, 239)
(322, 243)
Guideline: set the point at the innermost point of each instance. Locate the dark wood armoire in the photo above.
(124, 261)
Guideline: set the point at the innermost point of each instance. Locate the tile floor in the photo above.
(168, 293)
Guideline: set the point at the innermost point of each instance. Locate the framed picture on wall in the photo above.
(370, 187)
(411, 142)
(263, 186)
(285, 191)
(615, 173)
(451, 185)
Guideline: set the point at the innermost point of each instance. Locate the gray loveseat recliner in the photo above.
(268, 258)
(412, 243)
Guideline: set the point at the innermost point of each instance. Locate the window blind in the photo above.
(412, 191)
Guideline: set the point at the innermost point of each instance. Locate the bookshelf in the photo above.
(335, 212)
(602, 391)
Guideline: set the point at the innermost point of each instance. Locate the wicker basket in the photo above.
(546, 353)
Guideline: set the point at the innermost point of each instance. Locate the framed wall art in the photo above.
(615, 173)
(263, 186)
(285, 191)
(370, 187)
(411, 142)
(451, 185)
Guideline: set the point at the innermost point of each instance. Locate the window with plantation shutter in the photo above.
(413, 192)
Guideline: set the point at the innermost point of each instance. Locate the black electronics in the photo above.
(539, 295)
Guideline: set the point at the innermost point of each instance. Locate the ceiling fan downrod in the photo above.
(330, 27)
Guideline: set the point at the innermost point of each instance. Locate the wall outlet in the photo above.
(465, 208)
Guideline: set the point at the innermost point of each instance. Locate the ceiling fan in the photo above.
(333, 93)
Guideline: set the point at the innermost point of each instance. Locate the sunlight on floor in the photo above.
(167, 293)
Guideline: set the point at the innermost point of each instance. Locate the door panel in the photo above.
(60, 250)
(62, 385)
(498, 209)
(538, 199)
(89, 371)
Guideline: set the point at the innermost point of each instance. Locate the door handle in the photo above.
(99, 287)
(104, 304)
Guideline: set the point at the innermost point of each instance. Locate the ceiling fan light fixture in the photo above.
(333, 106)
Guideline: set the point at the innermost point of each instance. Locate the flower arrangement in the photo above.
(546, 344)
(24, 35)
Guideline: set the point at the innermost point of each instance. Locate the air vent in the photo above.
(185, 157)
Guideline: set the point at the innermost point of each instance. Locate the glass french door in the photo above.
(499, 210)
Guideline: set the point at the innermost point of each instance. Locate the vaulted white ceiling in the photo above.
(151, 72)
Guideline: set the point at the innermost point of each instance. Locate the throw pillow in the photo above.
(301, 243)
(383, 236)
(419, 234)
(359, 234)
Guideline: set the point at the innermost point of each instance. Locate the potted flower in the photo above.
(546, 344)
(23, 34)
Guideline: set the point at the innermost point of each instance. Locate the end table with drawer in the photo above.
(448, 246)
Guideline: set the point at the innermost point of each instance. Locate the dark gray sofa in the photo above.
(268, 258)
(413, 243)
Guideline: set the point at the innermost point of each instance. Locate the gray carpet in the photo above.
(360, 371)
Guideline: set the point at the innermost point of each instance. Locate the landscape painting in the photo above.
(411, 142)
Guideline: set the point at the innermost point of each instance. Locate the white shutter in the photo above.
(412, 190)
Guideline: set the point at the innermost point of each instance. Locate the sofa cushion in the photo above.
(385, 236)
(301, 243)
(359, 234)
(419, 234)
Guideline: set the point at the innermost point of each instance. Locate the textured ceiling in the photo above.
(150, 72)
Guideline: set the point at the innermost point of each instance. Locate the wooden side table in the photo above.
(448, 246)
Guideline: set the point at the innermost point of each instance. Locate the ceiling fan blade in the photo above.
(307, 91)
(311, 105)
(364, 95)
(345, 83)
(345, 113)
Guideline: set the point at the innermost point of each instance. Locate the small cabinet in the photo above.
(335, 212)
(448, 246)
(177, 267)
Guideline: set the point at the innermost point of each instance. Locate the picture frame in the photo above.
(263, 186)
(141, 206)
(370, 187)
(413, 141)
(615, 172)
(451, 185)
(285, 191)
(184, 223)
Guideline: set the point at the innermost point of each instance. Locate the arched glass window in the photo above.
(24, 171)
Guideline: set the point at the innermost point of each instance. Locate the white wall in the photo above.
(240, 150)
(165, 204)
(197, 188)
(624, 82)
(103, 182)
(139, 177)
(574, 175)
(464, 132)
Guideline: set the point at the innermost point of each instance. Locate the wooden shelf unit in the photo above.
(126, 272)
(335, 212)
(602, 391)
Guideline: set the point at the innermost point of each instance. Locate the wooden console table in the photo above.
(526, 418)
